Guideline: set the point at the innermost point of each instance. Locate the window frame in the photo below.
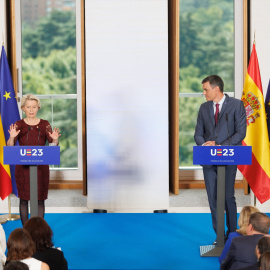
(72, 174)
(196, 173)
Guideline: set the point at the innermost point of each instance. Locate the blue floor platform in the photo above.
(131, 241)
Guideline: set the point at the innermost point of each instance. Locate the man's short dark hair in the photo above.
(264, 244)
(260, 222)
(214, 80)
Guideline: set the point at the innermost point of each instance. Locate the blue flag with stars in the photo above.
(267, 108)
(8, 105)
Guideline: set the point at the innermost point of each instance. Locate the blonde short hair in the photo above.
(243, 220)
(30, 97)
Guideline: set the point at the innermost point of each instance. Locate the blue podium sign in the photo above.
(222, 155)
(32, 155)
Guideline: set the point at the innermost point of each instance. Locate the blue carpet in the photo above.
(131, 241)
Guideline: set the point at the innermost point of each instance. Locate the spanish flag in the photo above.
(5, 178)
(257, 174)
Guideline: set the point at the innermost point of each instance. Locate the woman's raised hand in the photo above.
(55, 134)
(13, 132)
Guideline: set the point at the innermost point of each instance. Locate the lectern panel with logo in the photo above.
(222, 155)
(32, 155)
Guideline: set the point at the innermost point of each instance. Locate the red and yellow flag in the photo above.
(257, 174)
(5, 178)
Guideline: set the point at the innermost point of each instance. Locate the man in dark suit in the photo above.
(221, 121)
(262, 246)
(242, 250)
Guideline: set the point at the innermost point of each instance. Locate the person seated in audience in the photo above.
(2, 247)
(262, 246)
(242, 250)
(16, 265)
(265, 261)
(21, 247)
(242, 223)
(42, 234)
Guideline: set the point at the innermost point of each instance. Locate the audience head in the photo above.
(258, 223)
(262, 246)
(243, 220)
(265, 261)
(16, 265)
(20, 245)
(40, 232)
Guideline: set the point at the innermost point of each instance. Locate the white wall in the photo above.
(3, 32)
(260, 25)
(127, 104)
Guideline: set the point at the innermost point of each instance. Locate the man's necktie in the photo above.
(217, 113)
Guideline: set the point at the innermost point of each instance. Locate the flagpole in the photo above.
(3, 219)
(9, 216)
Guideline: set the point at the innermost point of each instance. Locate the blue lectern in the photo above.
(32, 156)
(220, 156)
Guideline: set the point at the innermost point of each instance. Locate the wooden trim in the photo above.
(64, 184)
(199, 184)
(173, 25)
(83, 99)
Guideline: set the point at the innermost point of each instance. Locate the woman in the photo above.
(265, 261)
(16, 265)
(21, 247)
(42, 234)
(32, 131)
(2, 247)
(242, 223)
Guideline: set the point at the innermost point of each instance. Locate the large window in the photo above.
(206, 47)
(50, 69)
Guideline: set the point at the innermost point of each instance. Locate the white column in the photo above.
(127, 104)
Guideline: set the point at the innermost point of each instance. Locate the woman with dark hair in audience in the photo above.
(21, 247)
(16, 265)
(42, 234)
(265, 261)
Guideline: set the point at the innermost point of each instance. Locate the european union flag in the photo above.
(8, 105)
(267, 108)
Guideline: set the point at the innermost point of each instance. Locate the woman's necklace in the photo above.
(32, 122)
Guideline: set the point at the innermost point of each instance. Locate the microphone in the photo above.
(228, 129)
(216, 129)
(27, 135)
(38, 134)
